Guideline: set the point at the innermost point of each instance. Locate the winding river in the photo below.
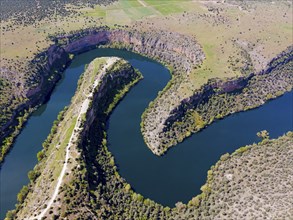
(179, 174)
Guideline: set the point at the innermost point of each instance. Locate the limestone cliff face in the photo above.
(179, 51)
(106, 84)
(285, 57)
(111, 81)
(172, 48)
(216, 87)
(57, 57)
(48, 63)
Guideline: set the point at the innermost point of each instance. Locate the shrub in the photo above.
(32, 175)
(22, 194)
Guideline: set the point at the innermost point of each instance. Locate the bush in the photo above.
(32, 175)
(22, 194)
(40, 155)
(10, 215)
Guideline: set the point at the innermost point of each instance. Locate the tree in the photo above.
(10, 215)
(22, 194)
(263, 134)
(32, 175)
(40, 155)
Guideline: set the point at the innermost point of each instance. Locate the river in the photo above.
(176, 176)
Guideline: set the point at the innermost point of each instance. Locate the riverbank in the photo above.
(47, 169)
(165, 122)
(238, 33)
(218, 99)
(103, 179)
(49, 65)
(253, 182)
(172, 49)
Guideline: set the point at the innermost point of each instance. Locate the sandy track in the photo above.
(142, 3)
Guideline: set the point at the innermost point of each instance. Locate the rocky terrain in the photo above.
(172, 49)
(165, 122)
(94, 189)
(240, 39)
(47, 68)
(179, 51)
(219, 98)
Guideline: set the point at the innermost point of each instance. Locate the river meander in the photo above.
(176, 176)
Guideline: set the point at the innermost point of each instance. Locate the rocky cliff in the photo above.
(47, 67)
(219, 98)
(176, 50)
(172, 48)
(180, 52)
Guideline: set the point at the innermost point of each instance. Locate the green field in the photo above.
(126, 10)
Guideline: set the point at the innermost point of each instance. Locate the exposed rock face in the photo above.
(112, 80)
(218, 99)
(285, 57)
(213, 87)
(155, 134)
(50, 63)
(179, 51)
(119, 75)
(172, 48)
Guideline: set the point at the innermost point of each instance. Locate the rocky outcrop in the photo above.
(115, 79)
(48, 66)
(285, 57)
(51, 62)
(172, 48)
(218, 99)
(213, 87)
(179, 51)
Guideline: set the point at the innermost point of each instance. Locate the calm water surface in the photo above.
(178, 175)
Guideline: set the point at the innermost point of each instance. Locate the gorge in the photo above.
(155, 78)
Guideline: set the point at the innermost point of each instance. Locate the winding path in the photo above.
(74, 135)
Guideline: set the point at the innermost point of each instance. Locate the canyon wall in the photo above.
(172, 48)
(218, 98)
(179, 52)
